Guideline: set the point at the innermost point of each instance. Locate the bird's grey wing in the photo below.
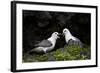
(75, 42)
(44, 43)
(79, 42)
(70, 42)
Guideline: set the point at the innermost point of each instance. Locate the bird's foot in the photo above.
(45, 52)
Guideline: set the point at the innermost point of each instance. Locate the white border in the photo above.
(35, 65)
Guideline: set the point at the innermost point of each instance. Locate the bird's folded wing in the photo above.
(75, 42)
(44, 43)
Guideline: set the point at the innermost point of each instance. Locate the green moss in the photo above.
(61, 54)
(42, 58)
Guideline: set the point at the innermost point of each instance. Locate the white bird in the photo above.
(47, 45)
(70, 39)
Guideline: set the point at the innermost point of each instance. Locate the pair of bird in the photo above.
(49, 44)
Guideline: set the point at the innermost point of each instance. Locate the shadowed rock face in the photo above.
(39, 25)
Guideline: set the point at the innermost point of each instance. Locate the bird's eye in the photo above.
(65, 31)
(56, 33)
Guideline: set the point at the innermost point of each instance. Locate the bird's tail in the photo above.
(36, 43)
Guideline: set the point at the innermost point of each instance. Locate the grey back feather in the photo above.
(75, 42)
(44, 43)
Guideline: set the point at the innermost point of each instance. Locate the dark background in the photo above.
(39, 25)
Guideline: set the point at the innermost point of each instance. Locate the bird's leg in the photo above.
(44, 51)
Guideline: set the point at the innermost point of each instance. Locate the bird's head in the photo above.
(65, 31)
(55, 35)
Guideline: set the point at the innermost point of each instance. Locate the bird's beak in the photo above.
(63, 34)
(58, 37)
(60, 34)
